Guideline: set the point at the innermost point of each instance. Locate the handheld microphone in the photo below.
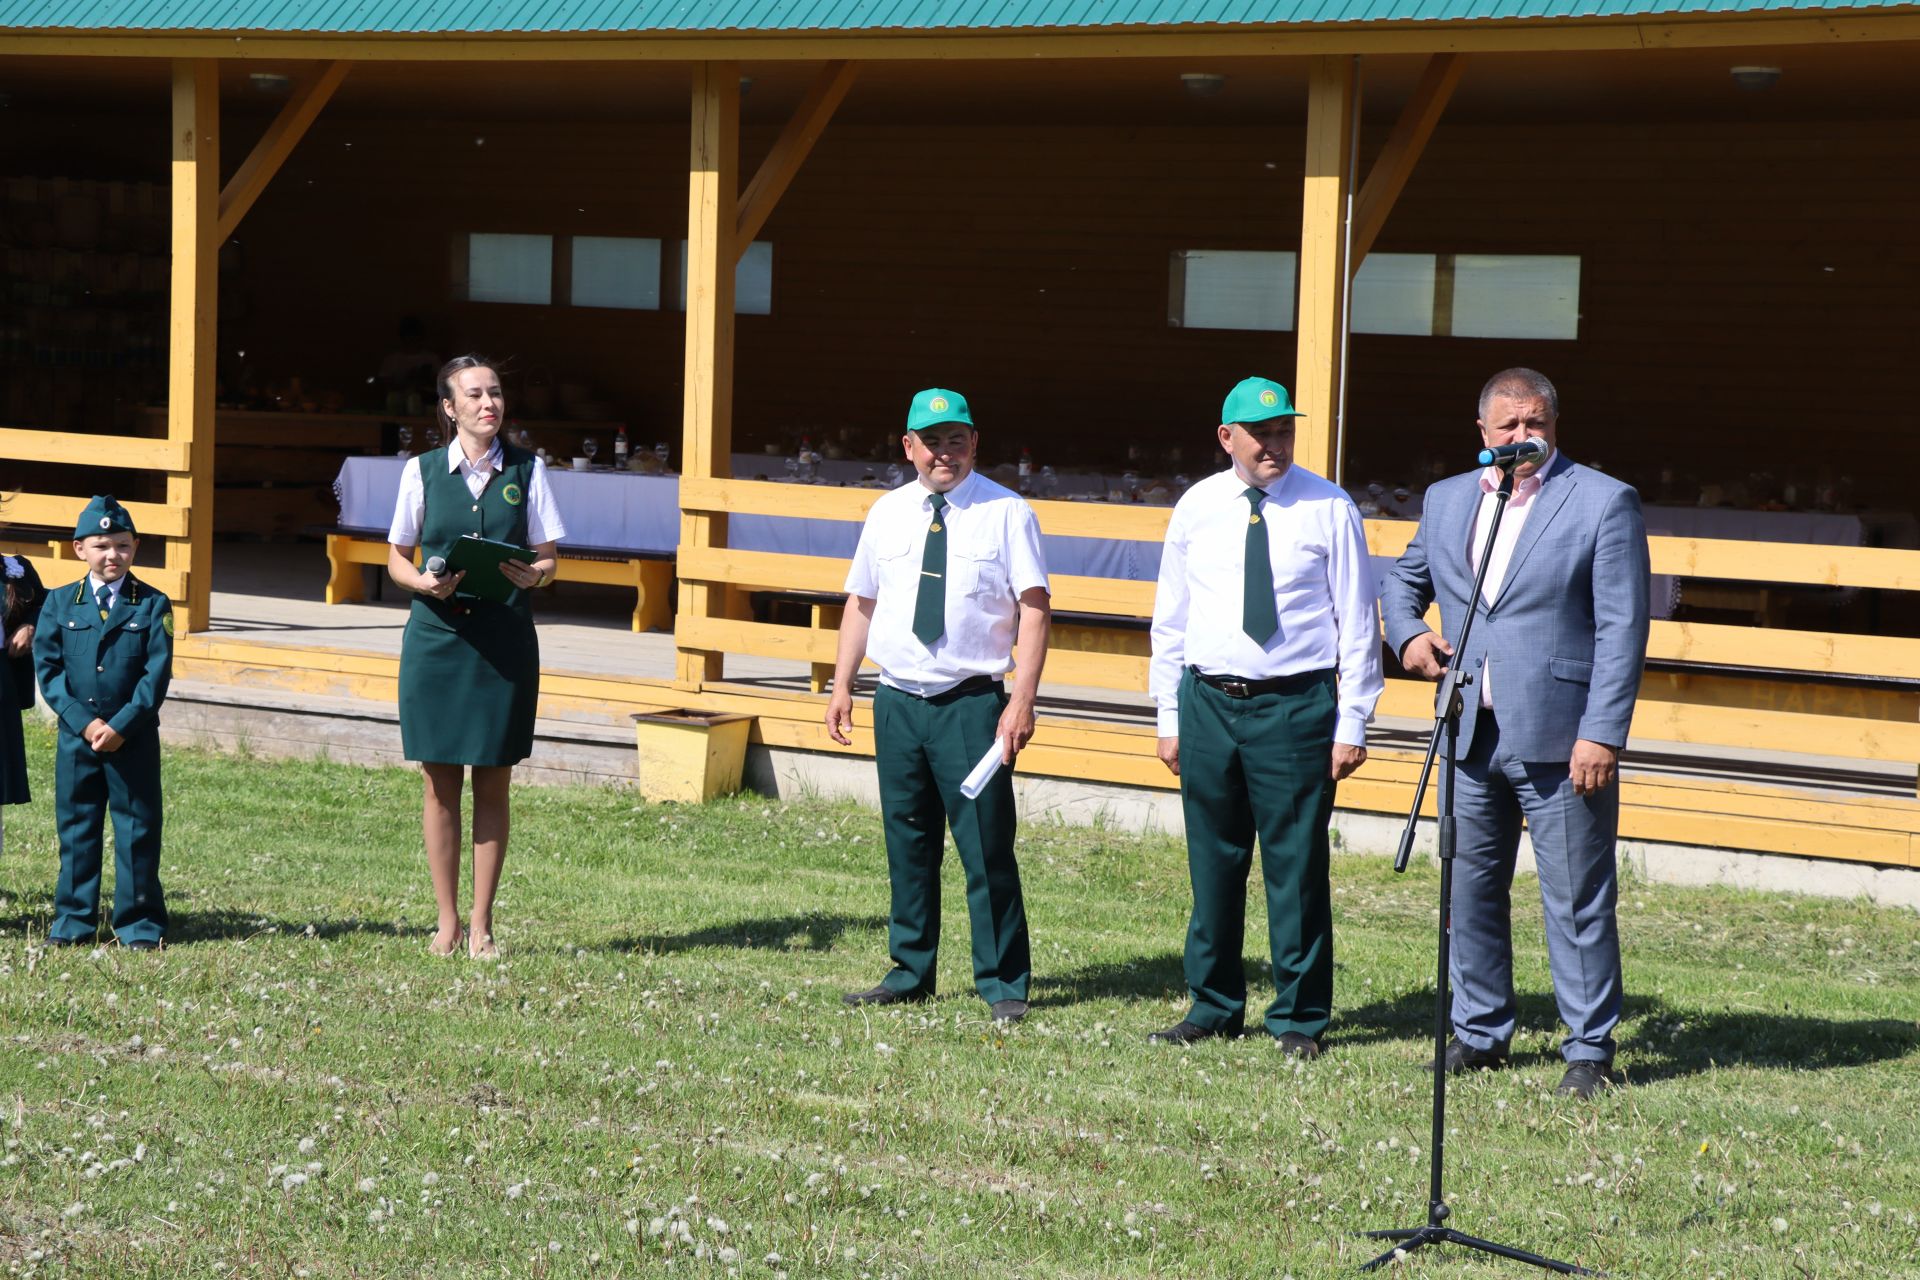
(436, 565)
(1532, 449)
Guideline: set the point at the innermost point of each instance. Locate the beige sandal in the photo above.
(480, 946)
(435, 949)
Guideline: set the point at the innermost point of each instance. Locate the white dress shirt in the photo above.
(1524, 492)
(410, 508)
(94, 584)
(1322, 584)
(993, 554)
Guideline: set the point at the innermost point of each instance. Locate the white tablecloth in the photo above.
(628, 512)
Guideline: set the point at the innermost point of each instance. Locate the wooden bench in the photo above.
(650, 574)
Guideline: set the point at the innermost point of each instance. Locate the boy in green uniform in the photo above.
(104, 653)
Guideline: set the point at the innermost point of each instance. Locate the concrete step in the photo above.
(280, 724)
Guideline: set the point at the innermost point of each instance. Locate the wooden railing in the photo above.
(1808, 717)
(57, 513)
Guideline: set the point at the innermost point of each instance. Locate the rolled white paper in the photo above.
(983, 772)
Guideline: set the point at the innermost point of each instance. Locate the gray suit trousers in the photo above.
(1573, 845)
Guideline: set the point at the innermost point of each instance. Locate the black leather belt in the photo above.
(971, 685)
(1236, 687)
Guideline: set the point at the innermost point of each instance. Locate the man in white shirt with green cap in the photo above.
(948, 571)
(1265, 672)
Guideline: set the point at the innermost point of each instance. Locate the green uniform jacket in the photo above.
(115, 669)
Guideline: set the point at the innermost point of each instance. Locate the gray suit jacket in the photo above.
(1568, 629)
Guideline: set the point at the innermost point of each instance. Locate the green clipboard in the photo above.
(481, 558)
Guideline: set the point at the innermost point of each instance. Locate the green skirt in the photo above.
(469, 683)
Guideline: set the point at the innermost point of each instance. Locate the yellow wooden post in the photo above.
(192, 328)
(1331, 102)
(713, 192)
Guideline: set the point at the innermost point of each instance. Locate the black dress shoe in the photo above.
(142, 944)
(1584, 1079)
(1296, 1044)
(1463, 1057)
(1184, 1032)
(882, 995)
(1009, 1010)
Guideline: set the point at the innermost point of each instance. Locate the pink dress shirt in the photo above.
(1515, 520)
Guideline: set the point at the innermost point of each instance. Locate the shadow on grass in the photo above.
(31, 913)
(806, 931)
(33, 916)
(186, 927)
(1682, 1043)
(1143, 978)
(1661, 1042)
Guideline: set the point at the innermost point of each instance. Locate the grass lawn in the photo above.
(660, 1076)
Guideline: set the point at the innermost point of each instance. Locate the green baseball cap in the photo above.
(1256, 400)
(936, 406)
(103, 516)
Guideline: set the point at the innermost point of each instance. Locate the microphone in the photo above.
(436, 565)
(1532, 449)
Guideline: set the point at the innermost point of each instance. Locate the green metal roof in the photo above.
(583, 17)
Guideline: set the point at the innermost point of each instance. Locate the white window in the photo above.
(752, 280)
(1233, 289)
(510, 268)
(616, 271)
(1462, 295)
(1393, 293)
(1511, 296)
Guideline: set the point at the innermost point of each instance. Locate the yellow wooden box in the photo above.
(690, 756)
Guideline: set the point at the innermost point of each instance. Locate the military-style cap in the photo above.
(1256, 400)
(936, 406)
(103, 515)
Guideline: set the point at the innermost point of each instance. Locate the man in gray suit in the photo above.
(1555, 654)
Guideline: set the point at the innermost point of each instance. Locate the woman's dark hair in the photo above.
(443, 386)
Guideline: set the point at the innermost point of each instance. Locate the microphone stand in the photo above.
(1446, 724)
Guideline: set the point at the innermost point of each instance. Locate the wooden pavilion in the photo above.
(1741, 243)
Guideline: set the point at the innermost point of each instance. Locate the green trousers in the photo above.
(87, 786)
(925, 747)
(1248, 766)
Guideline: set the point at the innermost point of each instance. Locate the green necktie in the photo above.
(930, 610)
(1259, 617)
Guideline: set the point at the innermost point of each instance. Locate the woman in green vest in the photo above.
(469, 666)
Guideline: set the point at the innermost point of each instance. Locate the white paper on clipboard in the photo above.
(983, 772)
